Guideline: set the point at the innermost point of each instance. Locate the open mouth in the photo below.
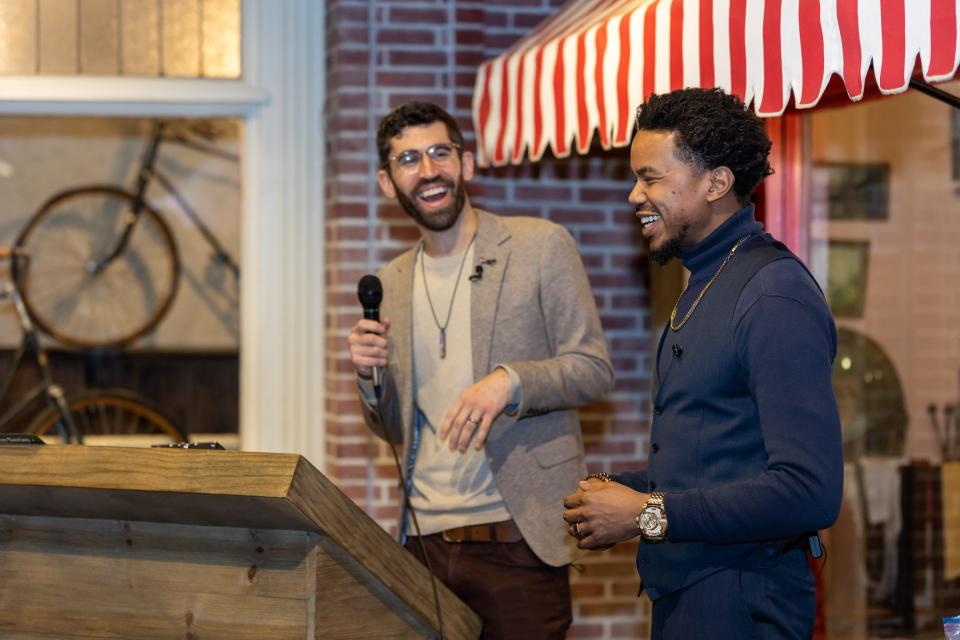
(646, 219)
(433, 194)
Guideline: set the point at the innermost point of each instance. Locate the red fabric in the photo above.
(811, 50)
(772, 100)
(676, 45)
(649, 49)
(738, 49)
(623, 69)
(706, 44)
(943, 36)
(892, 24)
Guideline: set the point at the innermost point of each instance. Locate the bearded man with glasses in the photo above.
(490, 340)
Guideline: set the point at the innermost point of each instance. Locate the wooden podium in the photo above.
(109, 542)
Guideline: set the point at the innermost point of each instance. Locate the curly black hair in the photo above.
(412, 114)
(712, 129)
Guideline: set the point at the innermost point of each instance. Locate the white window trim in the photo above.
(281, 99)
(128, 96)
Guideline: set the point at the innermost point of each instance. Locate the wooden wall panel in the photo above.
(58, 22)
(140, 36)
(18, 37)
(99, 37)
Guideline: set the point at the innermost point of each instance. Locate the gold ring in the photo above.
(471, 420)
(576, 530)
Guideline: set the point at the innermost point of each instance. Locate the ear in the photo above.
(721, 183)
(466, 163)
(386, 184)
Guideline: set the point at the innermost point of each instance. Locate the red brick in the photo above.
(421, 37)
(404, 57)
(408, 79)
(610, 609)
(409, 15)
(584, 630)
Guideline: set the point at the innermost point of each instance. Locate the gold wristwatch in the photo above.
(652, 521)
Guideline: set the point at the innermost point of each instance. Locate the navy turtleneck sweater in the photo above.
(749, 487)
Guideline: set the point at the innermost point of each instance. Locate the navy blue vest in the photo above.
(705, 430)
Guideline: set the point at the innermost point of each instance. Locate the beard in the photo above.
(441, 219)
(672, 248)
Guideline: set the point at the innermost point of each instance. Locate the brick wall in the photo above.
(380, 54)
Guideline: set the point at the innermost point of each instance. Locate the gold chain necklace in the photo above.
(693, 307)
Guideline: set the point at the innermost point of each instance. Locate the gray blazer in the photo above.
(533, 311)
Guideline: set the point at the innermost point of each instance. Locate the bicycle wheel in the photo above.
(85, 308)
(119, 413)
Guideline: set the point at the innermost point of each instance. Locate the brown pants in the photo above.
(515, 594)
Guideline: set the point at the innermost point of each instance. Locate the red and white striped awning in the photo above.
(584, 71)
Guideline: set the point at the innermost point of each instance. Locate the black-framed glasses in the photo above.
(440, 153)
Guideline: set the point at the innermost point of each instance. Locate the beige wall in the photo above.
(40, 156)
(913, 291)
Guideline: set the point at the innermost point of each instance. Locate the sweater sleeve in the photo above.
(786, 342)
(580, 371)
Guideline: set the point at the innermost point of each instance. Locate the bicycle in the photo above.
(104, 266)
(95, 412)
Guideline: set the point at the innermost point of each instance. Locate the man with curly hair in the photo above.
(745, 461)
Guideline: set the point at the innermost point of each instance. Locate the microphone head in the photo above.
(370, 291)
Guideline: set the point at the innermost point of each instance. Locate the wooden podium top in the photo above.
(221, 488)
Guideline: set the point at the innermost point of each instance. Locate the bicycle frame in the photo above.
(148, 173)
(29, 341)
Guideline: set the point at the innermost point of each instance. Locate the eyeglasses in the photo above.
(441, 153)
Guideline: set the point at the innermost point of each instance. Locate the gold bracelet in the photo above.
(605, 477)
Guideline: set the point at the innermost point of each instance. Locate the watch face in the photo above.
(650, 521)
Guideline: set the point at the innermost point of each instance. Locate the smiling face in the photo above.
(432, 192)
(672, 198)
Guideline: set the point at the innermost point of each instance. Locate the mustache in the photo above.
(642, 209)
(438, 181)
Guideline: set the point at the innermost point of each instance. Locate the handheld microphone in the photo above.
(370, 293)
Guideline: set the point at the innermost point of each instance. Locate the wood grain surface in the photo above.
(129, 528)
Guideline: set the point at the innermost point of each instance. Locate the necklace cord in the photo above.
(456, 286)
(696, 303)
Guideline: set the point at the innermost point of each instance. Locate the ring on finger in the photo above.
(473, 422)
(576, 530)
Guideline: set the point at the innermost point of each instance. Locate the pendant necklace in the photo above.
(456, 285)
(673, 314)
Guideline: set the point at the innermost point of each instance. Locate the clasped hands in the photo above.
(469, 418)
(602, 513)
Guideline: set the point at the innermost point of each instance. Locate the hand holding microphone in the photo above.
(368, 338)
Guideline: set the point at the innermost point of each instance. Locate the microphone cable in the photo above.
(378, 392)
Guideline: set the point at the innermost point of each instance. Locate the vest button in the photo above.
(657, 409)
(653, 485)
(655, 447)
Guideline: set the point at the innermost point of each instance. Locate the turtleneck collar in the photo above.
(705, 257)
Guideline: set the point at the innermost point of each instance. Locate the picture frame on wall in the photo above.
(848, 264)
(858, 190)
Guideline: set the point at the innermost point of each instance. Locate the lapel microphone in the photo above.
(478, 270)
